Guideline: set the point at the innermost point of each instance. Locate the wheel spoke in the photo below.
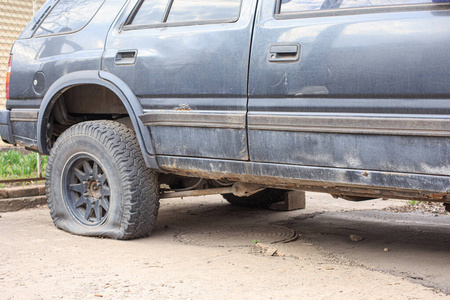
(80, 175)
(97, 210)
(101, 178)
(87, 168)
(106, 191)
(104, 203)
(95, 171)
(79, 202)
(79, 187)
(88, 210)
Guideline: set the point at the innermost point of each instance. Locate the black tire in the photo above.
(259, 200)
(98, 184)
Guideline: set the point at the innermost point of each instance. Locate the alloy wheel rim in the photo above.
(86, 190)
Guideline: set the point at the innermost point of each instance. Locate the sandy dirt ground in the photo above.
(204, 248)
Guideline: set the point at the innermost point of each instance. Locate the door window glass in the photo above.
(69, 15)
(201, 10)
(150, 12)
(314, 5)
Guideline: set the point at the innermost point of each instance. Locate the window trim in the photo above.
(164, 24)
(133, 12)
(166, 11)
(65, 32)
(41, 18)
(358, 10)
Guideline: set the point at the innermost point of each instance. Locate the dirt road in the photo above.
(204, 248)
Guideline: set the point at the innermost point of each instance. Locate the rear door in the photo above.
(351, 84)
(187, 62)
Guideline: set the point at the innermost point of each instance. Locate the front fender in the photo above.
(109, 81)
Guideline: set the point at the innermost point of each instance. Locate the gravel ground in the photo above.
(420, 207)
(204, 248)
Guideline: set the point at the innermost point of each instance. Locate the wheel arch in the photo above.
(113, 84)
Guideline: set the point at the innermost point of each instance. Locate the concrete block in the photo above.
(22, 191)
(14, 204)
(42, 190)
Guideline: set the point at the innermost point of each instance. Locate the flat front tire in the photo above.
(98, 184)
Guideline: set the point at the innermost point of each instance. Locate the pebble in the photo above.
(266, 249)
(356, 238)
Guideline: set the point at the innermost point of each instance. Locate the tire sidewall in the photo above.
(79, 144)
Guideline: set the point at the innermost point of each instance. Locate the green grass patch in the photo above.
(14, 165)
(415, 202)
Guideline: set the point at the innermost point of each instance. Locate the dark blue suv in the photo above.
(137, 100)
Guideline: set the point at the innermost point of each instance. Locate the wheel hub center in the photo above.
(95, 189)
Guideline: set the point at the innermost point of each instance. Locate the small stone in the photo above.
(356, 238)
(266, 249)
(386, 249)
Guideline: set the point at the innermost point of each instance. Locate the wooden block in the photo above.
(292, 200)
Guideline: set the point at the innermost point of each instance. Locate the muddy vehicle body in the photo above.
(140, 100)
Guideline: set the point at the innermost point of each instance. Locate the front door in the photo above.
(187, 62)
